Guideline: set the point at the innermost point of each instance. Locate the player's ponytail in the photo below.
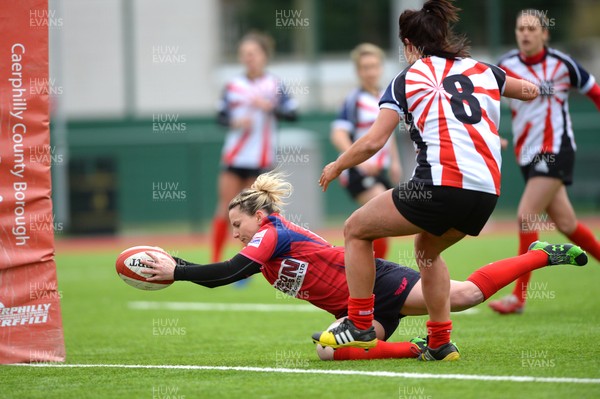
(430, 30)
(443, 10)
(267, 193)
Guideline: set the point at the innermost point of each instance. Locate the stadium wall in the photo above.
(128, 174)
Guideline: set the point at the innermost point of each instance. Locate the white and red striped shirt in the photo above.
(358, 113)
(544, 125)
(255, 147)
(452, 107)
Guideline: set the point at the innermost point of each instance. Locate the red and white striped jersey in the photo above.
(452, 109)
(543, 125)
(358, 113)
(255, 147)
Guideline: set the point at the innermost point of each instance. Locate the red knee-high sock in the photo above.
(497, 275)
(220, 227)
(525, 239)
(584, 237)
(380, 247)
(438, 333)
(360, 311)
(383, 350)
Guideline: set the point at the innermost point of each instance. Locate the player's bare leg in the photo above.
(562, 213)
(463, 295)
(435, 278)
(435, 282)
(380, 245)
(377, 218)
(371, 193)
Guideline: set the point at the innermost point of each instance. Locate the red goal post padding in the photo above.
(30, 318)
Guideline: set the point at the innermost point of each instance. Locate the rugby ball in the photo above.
(129, 267)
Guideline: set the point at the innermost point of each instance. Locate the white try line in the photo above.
(389, 374)
(235, 307)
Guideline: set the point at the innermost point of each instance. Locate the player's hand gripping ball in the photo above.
(134, 273)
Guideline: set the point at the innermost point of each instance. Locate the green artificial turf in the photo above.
(557, 336)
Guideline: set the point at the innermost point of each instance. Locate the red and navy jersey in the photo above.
(543, 125)
(452, 109)
(356, 116)
(253, 148)
(300, 263)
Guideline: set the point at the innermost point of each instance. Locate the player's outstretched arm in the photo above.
(211, 275)
(520, 89)
(364, 148)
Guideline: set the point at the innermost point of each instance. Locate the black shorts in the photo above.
(392, 286)
(357, 183)
(436, 209)
(393, 283)
(559, 166)
(245, 173)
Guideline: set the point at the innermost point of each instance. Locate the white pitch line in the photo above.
(469, 311)
(236, 307)
(473, 377)
(219, 307)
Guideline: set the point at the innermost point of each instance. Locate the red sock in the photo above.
(220, 229)
(360, 311)
(584, 237)
(525, 239)
(380, 247)
(438, 333)
(520, 290)
(497, 275)
(383, 350)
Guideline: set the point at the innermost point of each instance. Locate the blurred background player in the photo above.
(303, 265)
(452, 104)
(544, 141)
(360, 109)
(250, 107)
